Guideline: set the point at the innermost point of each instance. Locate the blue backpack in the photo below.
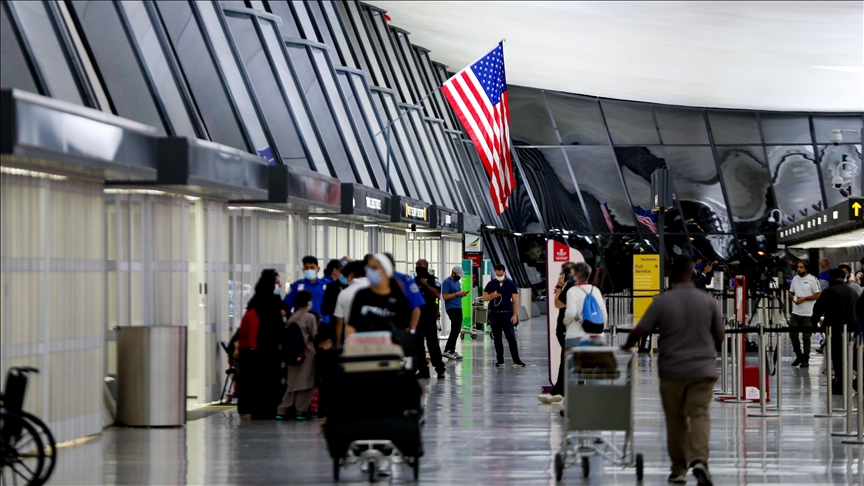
(592, 314)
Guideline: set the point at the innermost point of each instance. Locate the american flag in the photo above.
(646, 218)
(604, 208)
(478, 96)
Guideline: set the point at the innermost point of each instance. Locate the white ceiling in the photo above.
(768, 55)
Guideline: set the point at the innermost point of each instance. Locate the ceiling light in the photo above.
(489, 226)
(517, 234)
(31, 173)
(850, 239)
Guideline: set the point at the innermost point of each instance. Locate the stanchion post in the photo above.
(846, 370)
(847, 383)
(763, 381)
(724, 366)
(779, 375)
(859, 357)
(828, 372)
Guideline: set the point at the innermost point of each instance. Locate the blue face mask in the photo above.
(374, 276)
(277, 291)
(343, 280)
(310, 274)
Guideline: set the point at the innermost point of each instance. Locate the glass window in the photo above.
(637, 165)
(287, 138)
(561, 204)
(578, 119)
(38, 30)
(681, 126)
(320, 108)
(204, 81)
(157, 65)
(340, 42)
(823, 126)
(284, 10)
(302, 16)
(434, 159)
(295, 100)
(439, 142)
(460, 162)
(697, 187)
(233, 75)
(431, 84)
(795, 176)
(630, 123)
(375, 117)
(405, 163)
(831, 162)
(747, 181)
(14, 71)
(597, 175)
(529, 118)
(785, 129)
(734, 127)
(118, 63)
(374, 32)
(363, 129)
(422, 176)
(412, 75)
(346, 125)
(479, 183)
(354, 33)
(321, 27)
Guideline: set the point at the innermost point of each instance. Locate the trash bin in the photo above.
(151, 376)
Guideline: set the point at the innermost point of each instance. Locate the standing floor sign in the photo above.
(646, 283)
(557, 254)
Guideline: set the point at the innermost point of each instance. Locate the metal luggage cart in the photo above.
(375, 456)
(479, 321)
(598, 398)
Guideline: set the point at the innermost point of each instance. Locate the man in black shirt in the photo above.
(427, 328)
(703, 277)
(837, 303)
(503, 298)
(566, 280)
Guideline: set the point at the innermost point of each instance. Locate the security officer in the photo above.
(310, 282)
(427, 328)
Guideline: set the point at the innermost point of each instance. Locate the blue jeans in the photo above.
(500, 323)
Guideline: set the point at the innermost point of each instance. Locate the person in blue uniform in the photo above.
(310, 282)
(427, 329)
(503, 298)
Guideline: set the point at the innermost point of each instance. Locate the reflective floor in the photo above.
(483, 426)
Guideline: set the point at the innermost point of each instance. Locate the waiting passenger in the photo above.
(566, 281)
(503, 298)
(259, 362)
(837, 303)
(301, 372)
(310, 282)
(582, 327)
(850, 279)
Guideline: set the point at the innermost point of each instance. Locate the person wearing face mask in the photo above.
(451, 292)
(803, 293)
(566, 281)
(310, 282)
(850, 280)
(336, 282)
(427, 328)
(355, 275)
(503, 298)
(301, 377)
(838, 304)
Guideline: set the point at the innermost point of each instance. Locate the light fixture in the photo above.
(517, 234)
(837, 135)
(31, 173)
(489, 226)
(778, 219)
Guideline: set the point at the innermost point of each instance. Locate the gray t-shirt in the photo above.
(688, 319)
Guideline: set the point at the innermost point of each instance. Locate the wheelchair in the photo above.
(28, 451)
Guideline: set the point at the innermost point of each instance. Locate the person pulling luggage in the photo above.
(427, 328)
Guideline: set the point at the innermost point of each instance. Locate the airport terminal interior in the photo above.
(640, 250)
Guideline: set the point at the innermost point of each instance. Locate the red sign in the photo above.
(475, 258)
(561, 252)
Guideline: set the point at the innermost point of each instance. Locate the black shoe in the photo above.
(421, 376)
(797, 360)
(441, 375)
(700, 470)
(499, 365)
(805, 363)
(519, 364)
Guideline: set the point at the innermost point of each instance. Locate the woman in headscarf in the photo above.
(301, 376)
(261, 340)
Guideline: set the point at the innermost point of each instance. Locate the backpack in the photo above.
(247, 335)
(592, 314)
(295, 352)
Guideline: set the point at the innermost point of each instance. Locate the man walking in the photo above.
(690, 325)
(452, 293)
(803, 293)
(427, 328)
(503, 298)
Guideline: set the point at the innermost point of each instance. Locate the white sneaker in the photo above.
(456, 355)
(448, 355)
(556, 398)
(545, 398)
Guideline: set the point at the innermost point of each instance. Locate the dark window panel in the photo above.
(697, 187)
(409, 67)
(161, 73)
(321, 111)
(578, 119)
(363, 129)
(597, 175)
(831, 158)
(376, 119)
(637, 164)
(431, 83)
(440, 72)
(440, 177)
(288, 142)
(479, 181)
(354, 32)
(529, 118)
(340, 41)
(422, 176)
(397, 160)
(51, 59)
(233, 73)
(472, 199)
(795, 176)
(734, 127)
(391, 57)
(630, 123)
(747, 180)
(204, 80)
(823, 126)
(301, 13)
(452, 180)
(290, 24)
(785, 129)
(14, 70)
(681, 126)
(296, 101)
(118, 63)
(381, 70)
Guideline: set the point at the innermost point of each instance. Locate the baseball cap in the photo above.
(458, 271)
(344, 262)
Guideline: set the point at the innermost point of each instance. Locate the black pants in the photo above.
(837, 355)
(558, 388)
(500, 323)
(427, 330)
(455, 316)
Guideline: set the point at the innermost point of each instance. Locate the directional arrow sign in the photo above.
(856, 209)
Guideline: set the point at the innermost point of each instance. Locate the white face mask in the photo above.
(500, 277)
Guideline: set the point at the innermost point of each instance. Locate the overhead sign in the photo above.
(856, 209)
(646, 283)
(424, 236)
(557, 253)
(444, 219)
(839, 218)
(475, 259)
(406, 210)
(364, 201)
(473, 244)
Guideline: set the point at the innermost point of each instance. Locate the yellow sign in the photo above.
(646, 283)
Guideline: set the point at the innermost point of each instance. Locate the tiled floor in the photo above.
(483, 426)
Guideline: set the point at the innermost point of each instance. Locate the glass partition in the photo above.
(364, 130)
(843, 161)
(795, 176)
(747, 180)
(529, 117)
(578, 119)
(734, 127)
(681, 125)
(602, 191)
(785, 129)
(630, 123)
(697, 187)
(14, 70)
(401, 157)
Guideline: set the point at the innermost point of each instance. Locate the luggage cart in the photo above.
(598, 398)
(479, 321)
